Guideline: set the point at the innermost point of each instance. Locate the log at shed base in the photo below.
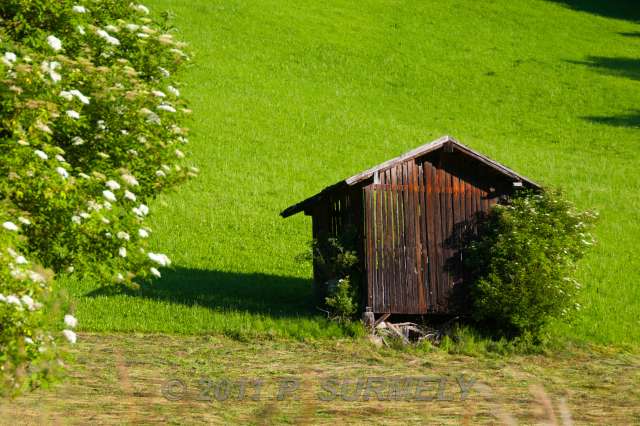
(408, 332)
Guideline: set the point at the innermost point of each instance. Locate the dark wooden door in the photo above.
(397, 265)
(415, 217)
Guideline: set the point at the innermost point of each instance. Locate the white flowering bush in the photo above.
(523, 262)
(29, 340)
(90, 131)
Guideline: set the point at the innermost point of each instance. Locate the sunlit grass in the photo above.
(289, 97)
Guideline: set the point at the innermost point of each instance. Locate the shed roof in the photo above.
(447, 141)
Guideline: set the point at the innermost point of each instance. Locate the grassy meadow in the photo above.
(289, 97)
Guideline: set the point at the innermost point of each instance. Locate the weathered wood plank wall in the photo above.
(415, 215)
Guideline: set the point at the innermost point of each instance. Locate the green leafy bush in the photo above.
(342, 299)
(334, 258)
(523, 262)
(90, 131)
(337, 263)
(29, 335)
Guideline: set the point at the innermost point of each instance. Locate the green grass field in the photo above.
(289, 97)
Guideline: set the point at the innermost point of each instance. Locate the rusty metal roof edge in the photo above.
(414, 153)
(423, 149)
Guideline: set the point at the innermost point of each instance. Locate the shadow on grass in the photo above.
(272, 295)
(625, 120)
(628, 10)
(631, 34)
(620, 66)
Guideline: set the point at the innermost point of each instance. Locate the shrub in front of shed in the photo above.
(523, 262)
(342, 300)
(337, 261)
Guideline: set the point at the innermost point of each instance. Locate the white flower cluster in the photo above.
(140, 8)
(51, 68)
(71, 322)
(69, 95)
(21, 302)
(54, 42)
(108, 37)
(9, 58)
(16, 262)
(160, 259)
(10, 226)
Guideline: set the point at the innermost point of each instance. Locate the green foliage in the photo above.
(337, 263)
(342, 300)
(28, 354)
(467, 340)
(335, 257)
(90, 131)
(524, 260)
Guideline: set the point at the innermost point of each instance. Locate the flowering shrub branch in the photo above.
(524, 260)
(90, 132)
(25, 330)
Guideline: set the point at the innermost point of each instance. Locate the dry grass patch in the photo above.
(119, 378)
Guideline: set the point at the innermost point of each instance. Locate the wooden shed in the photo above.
(409, 215)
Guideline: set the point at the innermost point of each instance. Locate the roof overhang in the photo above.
(446, 142)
